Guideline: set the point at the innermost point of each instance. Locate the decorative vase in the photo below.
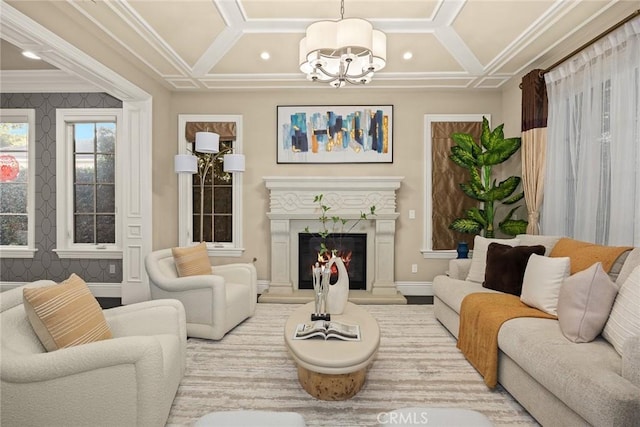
(338, 292)
(463, 250)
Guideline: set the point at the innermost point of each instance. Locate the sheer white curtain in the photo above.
(592, 181)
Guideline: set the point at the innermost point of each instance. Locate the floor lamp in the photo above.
(201, 160)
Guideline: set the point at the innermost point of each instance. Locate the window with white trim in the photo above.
(87, 183)
(17, 183)
(437, 165)
(217, 206)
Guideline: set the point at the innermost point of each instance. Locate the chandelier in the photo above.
(344, 51)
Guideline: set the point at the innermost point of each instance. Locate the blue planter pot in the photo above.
(463, 250)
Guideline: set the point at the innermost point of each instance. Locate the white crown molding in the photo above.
(41, 81)
(22, 31)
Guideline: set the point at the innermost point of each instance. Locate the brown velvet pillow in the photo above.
(506, 266)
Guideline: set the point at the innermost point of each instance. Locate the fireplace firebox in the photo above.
(351, 247)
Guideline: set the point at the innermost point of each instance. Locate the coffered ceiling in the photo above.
(217, 44)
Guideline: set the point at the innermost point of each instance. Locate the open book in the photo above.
(325, 329)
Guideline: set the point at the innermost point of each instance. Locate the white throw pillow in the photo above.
(479, 258)
(624, 320)
(543, 278)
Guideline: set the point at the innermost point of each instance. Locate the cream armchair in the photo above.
(214, 304)
(129, 380)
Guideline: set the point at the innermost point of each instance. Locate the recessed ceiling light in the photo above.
(407, 56)
(265, 55)
(30, 54)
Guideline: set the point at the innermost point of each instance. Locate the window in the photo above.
(87, 167)
(592, 174)
(441, 177)
(17, 183)
(215, 207)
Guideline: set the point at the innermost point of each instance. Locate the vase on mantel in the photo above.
(338, 294)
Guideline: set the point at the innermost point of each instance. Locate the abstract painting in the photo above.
(335, 134)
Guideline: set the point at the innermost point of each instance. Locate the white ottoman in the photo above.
(251, 419)
(433, 417)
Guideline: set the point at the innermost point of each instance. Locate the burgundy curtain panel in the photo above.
(534, 144)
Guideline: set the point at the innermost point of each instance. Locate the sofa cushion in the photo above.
(539, 239)
(192, 260)
(452, 291)
(479, 258)
(585, 376)
(506, 265)
(542, 280)
(624, 320)
(584, 254)
(65, 315)
(585, 302)
(631, 360)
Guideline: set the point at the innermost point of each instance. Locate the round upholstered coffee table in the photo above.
(333, 369)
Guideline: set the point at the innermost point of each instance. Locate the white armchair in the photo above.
(214, 304)
(128, 380)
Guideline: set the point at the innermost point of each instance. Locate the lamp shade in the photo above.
(233, 163)
(185, 163)
(207, 142)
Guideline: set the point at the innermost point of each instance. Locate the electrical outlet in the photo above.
(112, 269)
(414, 268)
(412, 214)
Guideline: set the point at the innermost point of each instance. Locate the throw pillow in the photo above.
(65, 315)
(479, 258)
(192, 260)
(584, 254)
(542, 280)
(539, 239)
(585, 302)
(506, 266)
(624, 320)
(631, 262)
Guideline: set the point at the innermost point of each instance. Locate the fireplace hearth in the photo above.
(351, 247)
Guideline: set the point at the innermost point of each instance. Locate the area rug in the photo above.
(417, 364)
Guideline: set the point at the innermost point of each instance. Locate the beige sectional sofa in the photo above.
(560, 382)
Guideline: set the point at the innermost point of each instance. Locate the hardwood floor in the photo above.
(115, 302)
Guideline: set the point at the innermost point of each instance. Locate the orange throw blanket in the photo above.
(481, 315)
(584, 254)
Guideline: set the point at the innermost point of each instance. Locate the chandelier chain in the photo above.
(341, 9)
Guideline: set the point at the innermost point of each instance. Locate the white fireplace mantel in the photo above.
(292, 208)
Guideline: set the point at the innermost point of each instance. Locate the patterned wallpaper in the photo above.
(46, 264)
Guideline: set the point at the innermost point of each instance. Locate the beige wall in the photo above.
(259, 116)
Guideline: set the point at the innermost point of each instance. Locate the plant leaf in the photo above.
(466, 158)
(500, 151)
(504, 189)
(477, 215)
(465, 225)
(467, 143)
(513, 227)
(513, 199)
(485, 136)
(469, 189)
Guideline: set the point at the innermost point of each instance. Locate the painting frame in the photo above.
(326, 134)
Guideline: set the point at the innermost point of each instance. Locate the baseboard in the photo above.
(112, 290)
(99, 290)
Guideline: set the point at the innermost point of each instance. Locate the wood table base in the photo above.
(329, 386)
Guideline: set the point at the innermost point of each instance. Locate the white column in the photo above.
(280, 258)
(383, 282)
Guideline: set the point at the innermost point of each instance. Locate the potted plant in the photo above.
(479, 159)
(333, 224)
